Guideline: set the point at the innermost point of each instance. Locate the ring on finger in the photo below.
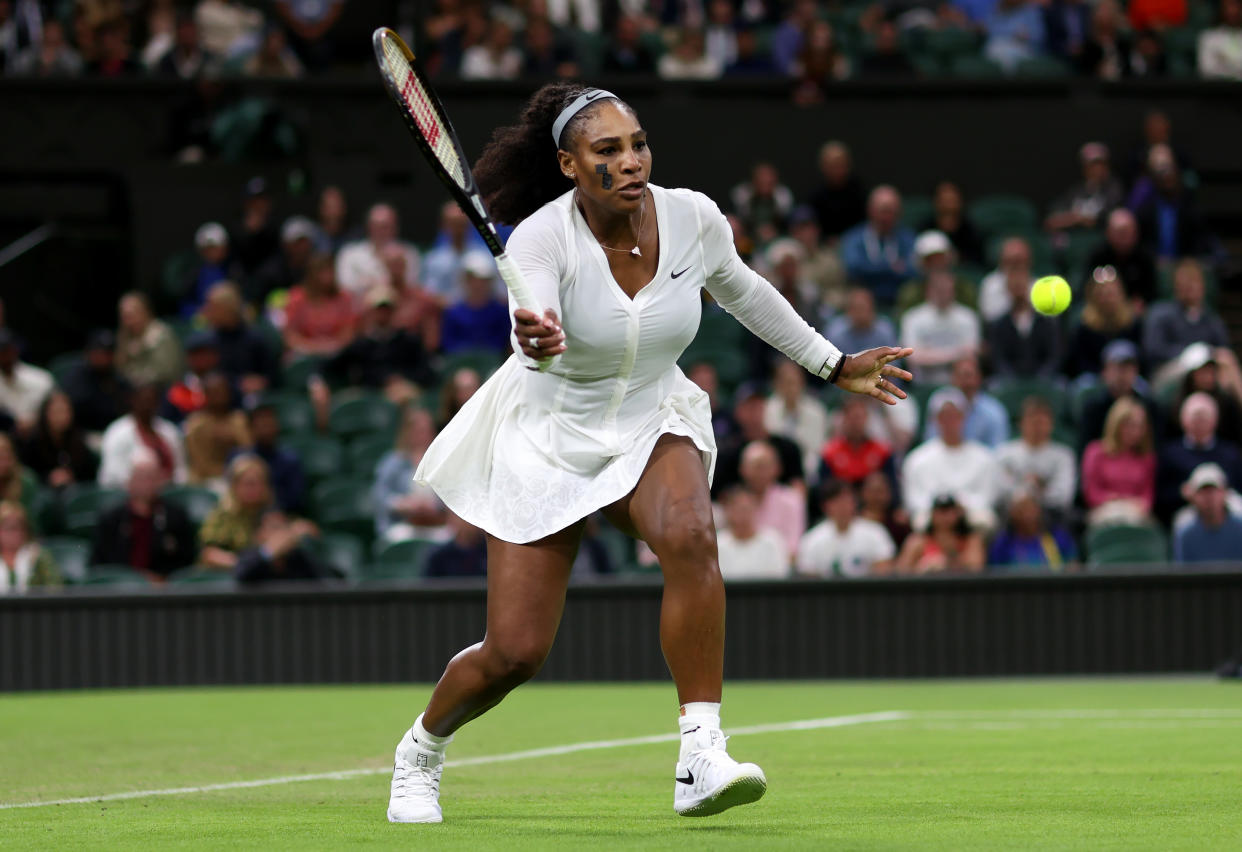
(534, 342)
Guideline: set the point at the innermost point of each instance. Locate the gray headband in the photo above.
(583, 100)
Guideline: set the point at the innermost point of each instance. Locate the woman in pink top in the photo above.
(1119, 470)
(319, 319)
(781, 508)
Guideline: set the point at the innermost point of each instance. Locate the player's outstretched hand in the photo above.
(871, 372)
(539, 338)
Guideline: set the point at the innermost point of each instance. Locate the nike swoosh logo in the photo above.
(593, 96)
(689, 779)
(691, 731)
(678, 275)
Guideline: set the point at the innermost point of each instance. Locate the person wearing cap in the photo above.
(950, 464)
(1119, 377)
(840, 200)
(147, 350)
(480, 321)
(948, 216)
(1170, 226)
(288, 266)
(934, 255)
(940, 330)
(879, 253)
(1215, 373)
(1106, 316)
(1099, 191)
(749, 410)
(1119, 468)
(383, 357)
(1214, 534)
(946, 542)
(99, 392)
(360, 265)
(1122, 251)
(1022, 344)
(1170, 326)
(987, 421)
(821, 265)
(1200, 443)
(23, 387)
(319, 317)
(211, 241)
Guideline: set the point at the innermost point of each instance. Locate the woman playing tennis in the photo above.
(609, 423)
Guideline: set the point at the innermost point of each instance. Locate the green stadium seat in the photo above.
(388, 572)
(196, 501)
(949, 44)
(1043, 67)
(732, 363)
(364, 415)
(995, 214)
(345, 506)
(365, 452)
(1211, 284)
(411, 553)
(202, 577)
(83, 505)
(482, 361)
(340, 551)
(1043, 261)
(175, 279)
(1125, 543)
(115, 575)
(322, 458)
(72, 555)
(297, 372)
(62, 365)
(973, 67)
(47, 513)
(1073, 248)
(718, 330)
(1014, 392)
(916, 210)
(294, 410)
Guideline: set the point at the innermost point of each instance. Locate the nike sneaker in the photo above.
(415, 782)
(708, 780)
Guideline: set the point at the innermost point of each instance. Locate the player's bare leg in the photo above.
(525, 598)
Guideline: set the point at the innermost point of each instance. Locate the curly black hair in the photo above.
(517, 172)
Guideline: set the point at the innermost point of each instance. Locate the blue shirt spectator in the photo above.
(1214, 535)
(987, 421)
(859, 328)
(879, 253)
(976, 11)
(212, 243)
(1015, 32)
(284, 467)
(1028, 542)
(442, 264)
(480, 320)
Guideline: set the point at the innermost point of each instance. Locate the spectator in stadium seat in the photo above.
(186, 59)
(284, 468)
(1119, 377)
(796, 414)
(146, 532)
(763, 203)
(384, 357)
(1169, 222)
(751, 60)
(214, 432)
(948, 216)
(255, 239)
(1015, 32)
(721, 32)
(279, 552)
(843, 544)
(24, 564)
(495, 58)
(1028, 541)
(480, 321)
(185, 396)
(840, 201)
(1121, 251)
(858, 328)
(23, 387)
(288, 266)
(52, 57)
(228, 27)
(947, 543)
(464, 555)
(781, 508)
(1220, 48)
(1012, 273)
(886, 57)
(1157, 14)
(783, 267)
(852, 455)
(1119, 469)
(100, 394)
(1198, 445)
(1107, 51)
(319, 318)
(56, 450)
(442, 265)
(934, 255)
(546, 53)
(703, 374)
(141, 428)
(1066, 23)
(1207, 370)
(820, 64)
(1157, 130)
(231, 526)
(987, 421)
(749, 405)
(147, 350)
(405, 509)
(689, 60)
(941, 330)
(1214, 535)
(15, 480)
(791, 34)
(1106, 316)
(360, 265)
(416, 309)
(456, 392)
(332, 228)
(211, 241)
(1036, 465)
(877, 503)
(113, 57)
(244, 354)
(748, 550)
(1023, 344)
(626, 53)
(1171, 326)
(821, 265)
(950, 464)
(880, 252)
(1084, 203)
(310, 24)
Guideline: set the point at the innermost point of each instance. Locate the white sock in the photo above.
(426, 739)
(697, 714)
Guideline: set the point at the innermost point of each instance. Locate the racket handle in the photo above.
(512, 276)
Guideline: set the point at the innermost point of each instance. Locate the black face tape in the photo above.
(602, 169)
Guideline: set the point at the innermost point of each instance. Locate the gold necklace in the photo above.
(634, 252)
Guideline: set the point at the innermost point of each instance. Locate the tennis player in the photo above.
(609, 422)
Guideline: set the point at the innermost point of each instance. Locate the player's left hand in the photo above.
(871, 372)
(540, 337)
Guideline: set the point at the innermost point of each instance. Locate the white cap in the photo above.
(783, 249)
(1195, 356)
(932, 242)
(1205, 475)
(211, 234)
(479, 264)
(947, 395)
(297, 228)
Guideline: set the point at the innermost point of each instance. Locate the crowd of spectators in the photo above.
(262, 420)
(810, 42)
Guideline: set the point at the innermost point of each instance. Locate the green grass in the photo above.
(982, 765)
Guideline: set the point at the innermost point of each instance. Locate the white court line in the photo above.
(803, 725)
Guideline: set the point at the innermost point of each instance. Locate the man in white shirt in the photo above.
(23, 387)
(843, 544)
(746, 551)
(941, 331)
(1035, 464)
(1220, 48)
(797, 415)
(132, 435)
(949, 464)
(360, 265)
(1012, 272)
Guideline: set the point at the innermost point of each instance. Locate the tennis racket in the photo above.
(425, 117)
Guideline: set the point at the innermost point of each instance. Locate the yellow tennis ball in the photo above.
(1050, 295)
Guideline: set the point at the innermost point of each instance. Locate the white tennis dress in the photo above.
(533, 452)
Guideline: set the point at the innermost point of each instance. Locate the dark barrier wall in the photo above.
(914, 628)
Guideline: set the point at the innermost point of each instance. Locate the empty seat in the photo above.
(196, 501)
(83, 505)
(322, 458)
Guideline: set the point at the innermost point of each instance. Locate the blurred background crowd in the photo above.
(261, 415)
(811, 42)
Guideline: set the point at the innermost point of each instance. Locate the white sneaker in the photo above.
(709, 781)
(415, 783)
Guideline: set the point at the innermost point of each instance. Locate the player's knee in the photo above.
(688, 535)
(515, 662)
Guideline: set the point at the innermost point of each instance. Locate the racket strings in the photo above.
(415, 98)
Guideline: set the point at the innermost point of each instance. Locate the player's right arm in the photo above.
(536, 247)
